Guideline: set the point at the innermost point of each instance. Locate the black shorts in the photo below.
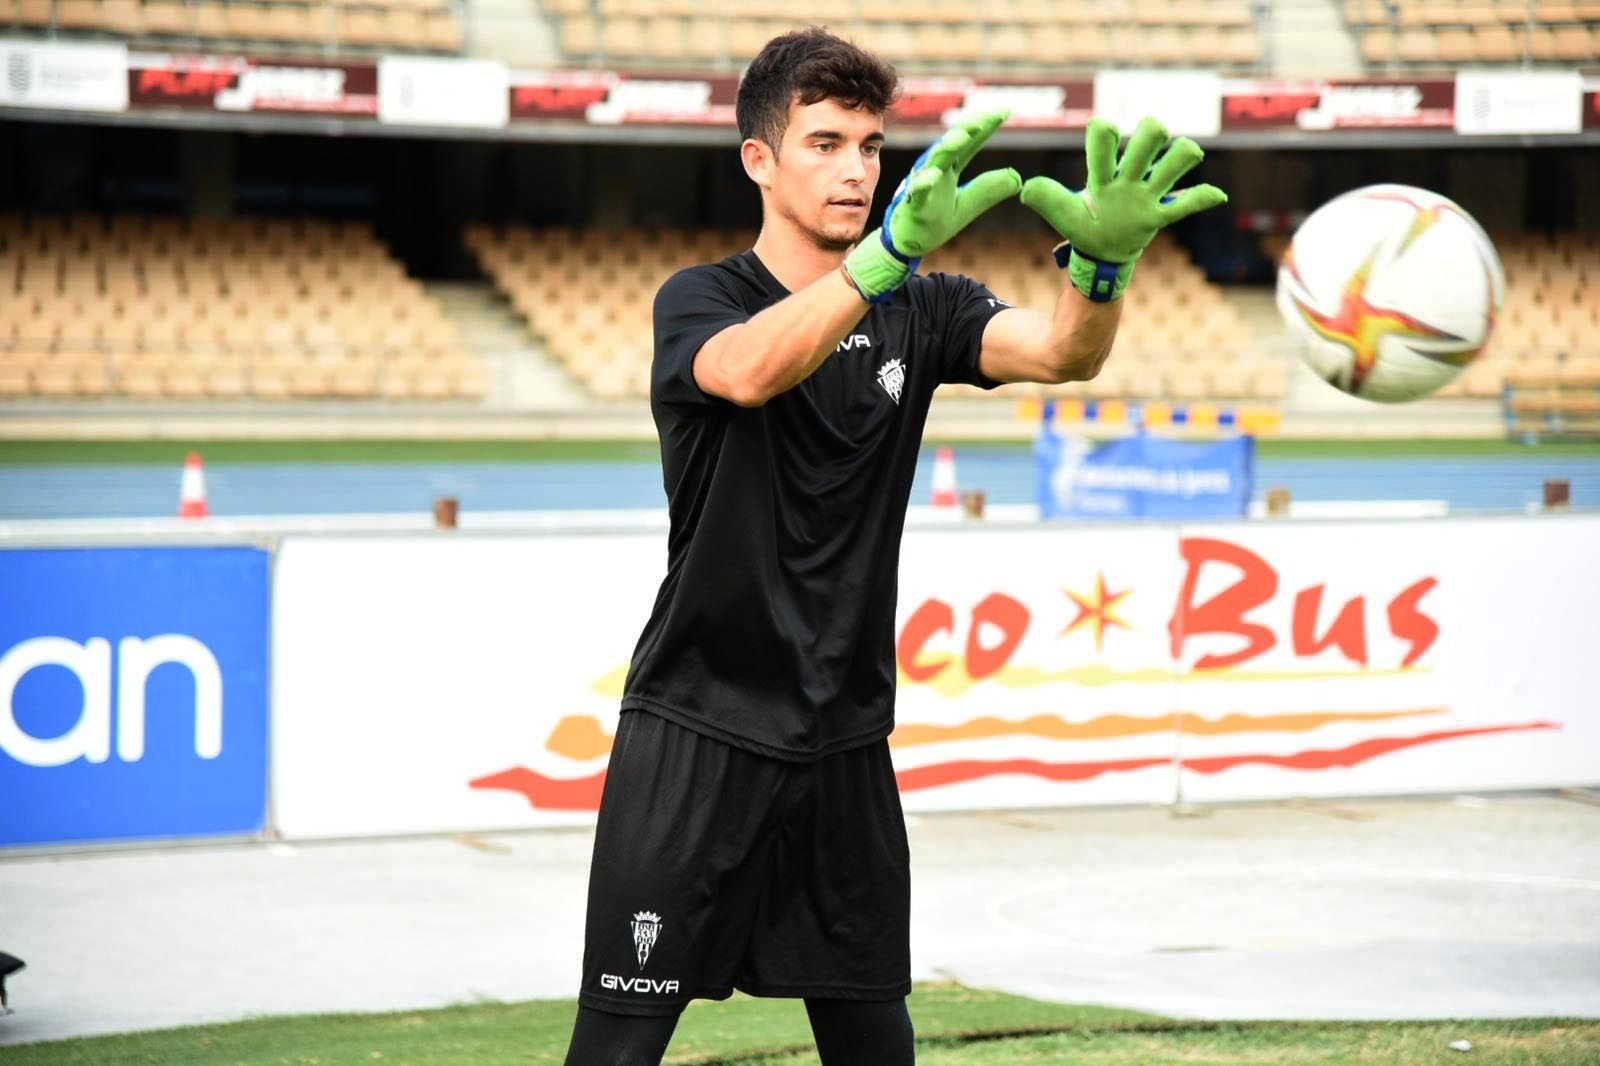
(715, 869)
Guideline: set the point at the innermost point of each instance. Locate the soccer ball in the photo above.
(1391, 290)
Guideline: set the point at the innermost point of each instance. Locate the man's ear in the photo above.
(759, 160)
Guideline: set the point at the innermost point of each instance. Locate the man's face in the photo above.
(824, 177)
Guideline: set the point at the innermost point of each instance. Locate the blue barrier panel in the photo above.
(133, 693)
(1143, 477)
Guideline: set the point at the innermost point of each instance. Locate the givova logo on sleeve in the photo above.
(133, 693)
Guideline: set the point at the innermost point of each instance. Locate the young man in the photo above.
(750, 834)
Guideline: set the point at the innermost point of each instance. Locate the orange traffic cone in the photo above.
(192, 493)
(944, 478)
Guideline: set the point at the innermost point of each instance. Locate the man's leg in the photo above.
(600, 1038)
(862, 1032)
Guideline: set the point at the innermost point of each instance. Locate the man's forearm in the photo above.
(783, 345)
(1081, 332)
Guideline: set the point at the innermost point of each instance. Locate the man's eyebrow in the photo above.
(835, 135)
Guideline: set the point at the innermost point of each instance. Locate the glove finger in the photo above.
(1190, 201)
(1146, 141)
(1177, 161)
(978, 131)
(1100, 148)
(983, 192)
(946, 153)
(1057, 205)
(922, 184)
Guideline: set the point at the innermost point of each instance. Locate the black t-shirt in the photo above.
(774, 628)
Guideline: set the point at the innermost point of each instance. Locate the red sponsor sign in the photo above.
(247, 84)
(1033, 104)
(1591, 106)
(1338, 105)
(608, 98)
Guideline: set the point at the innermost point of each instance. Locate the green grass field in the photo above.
(16, 453)
(955, 1025)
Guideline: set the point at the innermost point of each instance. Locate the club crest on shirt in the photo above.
(892, 376)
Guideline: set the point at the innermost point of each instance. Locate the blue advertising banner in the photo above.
(133, 693)
(1142, 477)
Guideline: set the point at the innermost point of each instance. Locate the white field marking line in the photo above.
(994, 908)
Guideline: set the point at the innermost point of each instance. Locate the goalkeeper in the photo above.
(750, 832)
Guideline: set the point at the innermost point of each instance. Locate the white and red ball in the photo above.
(1391, 290)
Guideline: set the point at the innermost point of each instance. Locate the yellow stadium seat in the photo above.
(78, 14)
(580, 36)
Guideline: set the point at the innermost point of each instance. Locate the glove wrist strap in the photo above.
(1097, 279)
(876, 269)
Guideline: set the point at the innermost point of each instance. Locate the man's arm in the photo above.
(751, 362)
(1106, 228)
(1070, 344)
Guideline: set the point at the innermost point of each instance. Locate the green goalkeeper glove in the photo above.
(1108, 225)
(929, 208)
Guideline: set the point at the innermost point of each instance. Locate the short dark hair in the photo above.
(813, 65)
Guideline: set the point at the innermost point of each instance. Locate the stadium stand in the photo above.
(1447, 33)
(590, 304)
(268, 309)
(1544, 360)
(922, 35)
(352, 26)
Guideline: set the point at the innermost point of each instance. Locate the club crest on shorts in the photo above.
(646, 927)
(892, 376)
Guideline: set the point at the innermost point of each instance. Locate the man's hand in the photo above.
(929, 208)
(1108, 225)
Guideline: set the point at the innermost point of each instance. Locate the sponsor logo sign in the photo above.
(133, 693)
(237, 83)
(1324, 106)
(70, 77)
(423, 91)
(1519, 102)
(1104, 664)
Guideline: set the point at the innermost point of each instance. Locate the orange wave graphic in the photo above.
(1111, 726)
(583, 793)
(956, 772)
(582, 738)
(953, 681)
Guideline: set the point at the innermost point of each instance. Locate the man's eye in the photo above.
(824, 147)
(871, 149)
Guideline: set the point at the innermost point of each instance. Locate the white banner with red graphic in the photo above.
(425, 684)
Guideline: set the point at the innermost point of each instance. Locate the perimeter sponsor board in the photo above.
(559, 94)
(637, 100)
(248, 84)
(1143, 476)
(1530, 102)
(427, 91)
(1187, 102)
(1033, 105)
(1323, 106)
(71, 77)
(133, 693)
(1591, 103)
(1055, 667)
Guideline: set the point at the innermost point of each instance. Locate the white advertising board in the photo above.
(1511, 101)
(1188, 102)
(71, 77)
(437, 683)
(422, 91)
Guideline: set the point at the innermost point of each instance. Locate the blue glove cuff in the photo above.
(911, 261)
(1097, 279)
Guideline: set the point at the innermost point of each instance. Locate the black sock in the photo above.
(862, 1032)
(600, 1038)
